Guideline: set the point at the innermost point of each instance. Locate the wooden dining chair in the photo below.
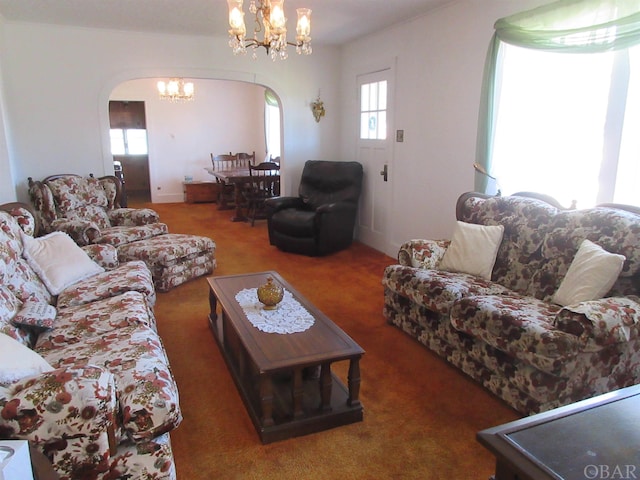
(264, 183)
(243, 160)
(226, 196)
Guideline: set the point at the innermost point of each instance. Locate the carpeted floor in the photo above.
(420, 415)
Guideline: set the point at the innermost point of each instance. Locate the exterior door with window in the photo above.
(129, 147)
(374, 153)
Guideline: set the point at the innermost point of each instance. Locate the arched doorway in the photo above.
(225, 116)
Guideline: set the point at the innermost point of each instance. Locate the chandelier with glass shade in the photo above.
(271, 23)
(176, 90)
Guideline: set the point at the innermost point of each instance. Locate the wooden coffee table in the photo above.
(275, 373)
(596, 438)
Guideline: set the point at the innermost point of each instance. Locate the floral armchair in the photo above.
(88, 209)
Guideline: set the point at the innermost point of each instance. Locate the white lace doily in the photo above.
(289, 317)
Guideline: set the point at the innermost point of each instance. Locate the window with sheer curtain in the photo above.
(561, 106)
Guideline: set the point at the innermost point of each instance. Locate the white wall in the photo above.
(7, 190)
(440, 60)
(52, 73)
(225, 116)
(58, 81)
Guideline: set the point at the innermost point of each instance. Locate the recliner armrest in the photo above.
(336, 207)
(280, 203)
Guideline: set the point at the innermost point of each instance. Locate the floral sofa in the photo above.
(83, 373)
(88, 209)
(513, 328)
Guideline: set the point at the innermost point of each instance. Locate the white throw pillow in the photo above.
(591, 275)
(473, 249)
(58, 261)
(18, 361)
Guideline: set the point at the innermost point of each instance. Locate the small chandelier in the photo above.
(176, 90)
(270, 20)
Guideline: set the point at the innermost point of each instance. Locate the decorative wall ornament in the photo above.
(317, 108)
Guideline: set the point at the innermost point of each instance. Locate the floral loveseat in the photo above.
(514, 329)
(84, 375)
(88, 209)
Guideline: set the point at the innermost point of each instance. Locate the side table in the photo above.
(195, 192)
(596, 438)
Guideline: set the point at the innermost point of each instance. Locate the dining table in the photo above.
(238, 177)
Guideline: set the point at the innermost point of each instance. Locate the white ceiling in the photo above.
(333, 21)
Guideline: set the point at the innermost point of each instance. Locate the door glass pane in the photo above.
(137, 141)
(364, 98)
(381, 132)
(364, 125)
(373, 125)
(117, 141)
(373, 116)
(382, 95)
(373, 98)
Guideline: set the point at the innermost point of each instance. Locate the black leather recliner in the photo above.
(321, 219)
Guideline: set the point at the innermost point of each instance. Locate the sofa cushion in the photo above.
(616, 231)
(130, 276)
(591, 275)
(75, 324)
(80, 198)
(89, 213)
(526, 222)
(134, 354)
(18, 361)
(437, 290)
(58, 261)
(71, 192)
(473, 249)
(522, 327)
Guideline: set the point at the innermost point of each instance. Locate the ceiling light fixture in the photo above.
(269, 19)
(176, 90)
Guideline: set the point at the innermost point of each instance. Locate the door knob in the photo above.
(384, 173)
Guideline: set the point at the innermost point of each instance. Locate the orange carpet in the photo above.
(420, 415)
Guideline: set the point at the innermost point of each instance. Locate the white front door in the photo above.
(375, 154)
